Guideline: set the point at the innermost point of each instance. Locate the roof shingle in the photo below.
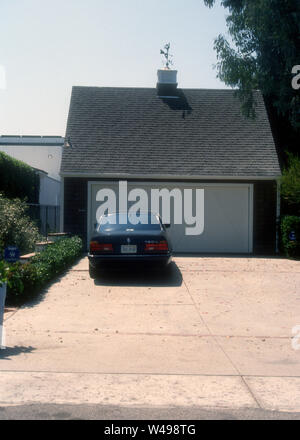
(201, 133)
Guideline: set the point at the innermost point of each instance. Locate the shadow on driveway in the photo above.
(132, 275)
(9, 352)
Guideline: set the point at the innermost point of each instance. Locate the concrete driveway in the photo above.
(210, 333)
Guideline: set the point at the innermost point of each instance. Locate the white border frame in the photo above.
(143, 183)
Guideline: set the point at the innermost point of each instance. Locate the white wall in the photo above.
(49, 191)
(45, 158)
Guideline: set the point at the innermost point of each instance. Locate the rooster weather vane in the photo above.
(168, 57)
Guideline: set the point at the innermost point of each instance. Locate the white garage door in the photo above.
(227, 216)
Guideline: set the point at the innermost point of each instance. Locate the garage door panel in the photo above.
(226, 224)
(227, 216)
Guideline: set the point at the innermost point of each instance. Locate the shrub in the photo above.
(43, 268)
(10, 275)
(291, 224)
(4, 272)
(16, 228)
(17, 179)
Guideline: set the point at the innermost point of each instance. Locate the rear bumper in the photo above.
(95, 260)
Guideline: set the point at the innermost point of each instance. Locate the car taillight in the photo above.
(100, 247)
(162, 246)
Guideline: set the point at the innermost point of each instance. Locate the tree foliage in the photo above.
(265, 46)
(290, 183)
(17, 179)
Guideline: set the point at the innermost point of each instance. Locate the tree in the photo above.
(264, 50)
(290, 185)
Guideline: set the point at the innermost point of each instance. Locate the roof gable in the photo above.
(199, 133)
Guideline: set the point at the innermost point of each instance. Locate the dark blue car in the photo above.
(118, 239)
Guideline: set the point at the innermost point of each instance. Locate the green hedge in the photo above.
(18, 179)
(42, 268)
(290, 224)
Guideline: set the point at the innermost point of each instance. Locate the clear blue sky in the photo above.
(46, 47)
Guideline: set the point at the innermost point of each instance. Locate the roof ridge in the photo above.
(154, 88)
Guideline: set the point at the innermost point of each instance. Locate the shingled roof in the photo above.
(131, 131)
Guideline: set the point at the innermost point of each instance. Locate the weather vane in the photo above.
(168, 61)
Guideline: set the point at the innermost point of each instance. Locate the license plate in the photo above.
(128, 249)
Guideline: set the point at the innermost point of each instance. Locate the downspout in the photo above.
(278, 213)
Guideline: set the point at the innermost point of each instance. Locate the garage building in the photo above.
(172, 138)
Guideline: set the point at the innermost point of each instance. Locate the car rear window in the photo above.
(124, 222)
